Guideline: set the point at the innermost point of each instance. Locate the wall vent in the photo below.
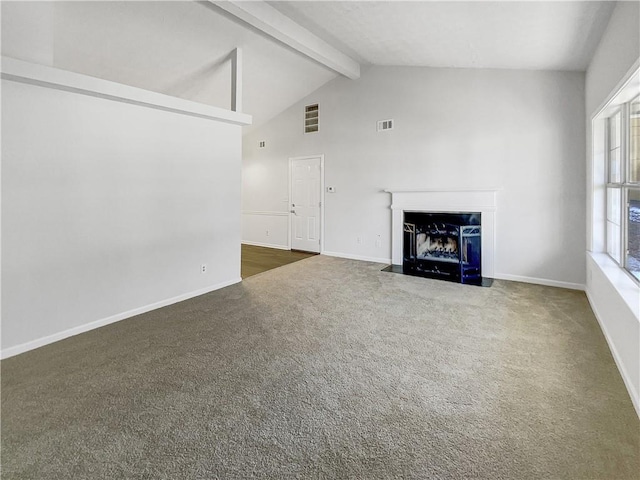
(385, 125)
(311, 118)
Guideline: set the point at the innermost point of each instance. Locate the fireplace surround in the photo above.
(478, 204)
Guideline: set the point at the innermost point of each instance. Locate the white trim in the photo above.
(267, 245)
(40, 342)
(49, 77)
(322, 199)
(616, 357)
(596, 197)
(289, 205)
(482, 189)
(267, 19)
(459, 208)
(308, 157)
(362, 258)
(539, 281)
(625, 82)
(259, 212)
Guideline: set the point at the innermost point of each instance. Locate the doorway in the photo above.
(306, 213)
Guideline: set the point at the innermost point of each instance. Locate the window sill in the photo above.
(626, 287)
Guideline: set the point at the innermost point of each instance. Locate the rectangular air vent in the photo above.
(385, 125)
(311, 118)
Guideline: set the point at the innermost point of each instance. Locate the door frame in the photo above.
(308, 157)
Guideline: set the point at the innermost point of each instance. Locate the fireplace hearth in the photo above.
(445, 246)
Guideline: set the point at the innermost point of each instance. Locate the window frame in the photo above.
(624, 185)
(609, 183)
(636, 184)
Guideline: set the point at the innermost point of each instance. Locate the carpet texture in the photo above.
(329, 369)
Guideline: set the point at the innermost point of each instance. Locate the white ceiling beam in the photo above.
(267, 19)
(30, 73)
(236, 80)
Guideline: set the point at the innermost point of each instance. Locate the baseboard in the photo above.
(357, 257)
(268, 245)
(539, 281)
(616, 357)
(40, 342)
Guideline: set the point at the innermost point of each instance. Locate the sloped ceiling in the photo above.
(181, 48)
(533, 35)
(176, 48)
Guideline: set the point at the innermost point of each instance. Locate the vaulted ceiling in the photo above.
(534, 35)
(182, 48)
(176, 48)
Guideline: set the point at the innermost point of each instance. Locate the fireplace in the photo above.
(446, 246)
(469, 218)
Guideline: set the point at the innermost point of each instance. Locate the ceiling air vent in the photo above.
(385, 125)
(311, 118)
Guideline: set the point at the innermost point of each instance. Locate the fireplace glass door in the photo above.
(443, 245)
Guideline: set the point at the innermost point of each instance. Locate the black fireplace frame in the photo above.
(453, 246)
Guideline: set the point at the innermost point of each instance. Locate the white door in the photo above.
(305, 203)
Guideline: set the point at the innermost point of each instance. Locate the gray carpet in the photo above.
(329, 369)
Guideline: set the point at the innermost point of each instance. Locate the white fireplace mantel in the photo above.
(481, 200)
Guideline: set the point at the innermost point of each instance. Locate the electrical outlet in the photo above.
(267, 233)
(359, 240)
(378, 241)
(203, 268)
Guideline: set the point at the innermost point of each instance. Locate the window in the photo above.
(633, 229)
(634, 141)
(614, 186)
(623, 187)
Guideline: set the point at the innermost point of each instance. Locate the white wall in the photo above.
(271, 228)
(521, 131)
(614, 297)
(617, 51)
(109, 207)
